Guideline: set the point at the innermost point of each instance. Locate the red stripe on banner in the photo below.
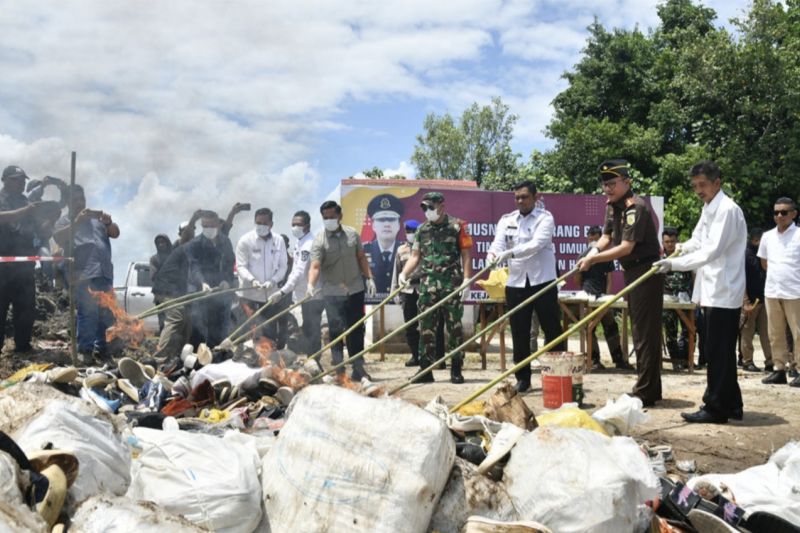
(30, 258)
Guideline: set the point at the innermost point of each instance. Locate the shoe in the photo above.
(624, 365)
(764, 521)
(795, 382)
(751, 367)
(704, 417)
(442, 365)
(359, 374)
(776, 378)
(522, 386)
(769, 367)
(740, 362)
(455, 372)
(426, 378)
(127, 387)
(678, 366)
(706, 521)
(133, 371)
(736, 414)
(412, 362)
(93, 396)
(597, 366)
(793, 373)
(284, 395)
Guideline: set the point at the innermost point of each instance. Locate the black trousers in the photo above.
(722, 396)
(546, 308)
(272, 331)
(645, 305)
(312, 324)
(611, 333)
(343, 312)
(18, 290)
(410, 310)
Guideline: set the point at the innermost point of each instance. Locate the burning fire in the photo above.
(285, 376)
(126, 327)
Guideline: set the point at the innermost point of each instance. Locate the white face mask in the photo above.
(262, 230)
(410, 238)
(432, 216)
(297, 231)
(331, 224)
(210, 233)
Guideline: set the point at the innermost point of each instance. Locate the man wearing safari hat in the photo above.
(385, 211)
(630, 236)
(442, 249)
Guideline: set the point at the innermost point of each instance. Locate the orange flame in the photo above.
(126, 327)
(345, 382)
(285, 376)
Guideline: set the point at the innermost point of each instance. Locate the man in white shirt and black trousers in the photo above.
(716, 251)
(524, 238)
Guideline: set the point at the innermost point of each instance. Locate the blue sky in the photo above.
(173, 106)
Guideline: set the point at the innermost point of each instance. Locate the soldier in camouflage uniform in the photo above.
(674, 284)
(442, 249)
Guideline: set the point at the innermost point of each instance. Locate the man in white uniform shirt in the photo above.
(779, 252)
(716, 250)
(525, 239)
(297, 283)
(261, 262)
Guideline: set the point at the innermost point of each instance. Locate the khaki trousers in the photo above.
(756, 323)
(781, 312)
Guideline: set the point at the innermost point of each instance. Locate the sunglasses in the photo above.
(782, 212)
(427, 207)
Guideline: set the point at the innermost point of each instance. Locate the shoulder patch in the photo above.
(630, 217)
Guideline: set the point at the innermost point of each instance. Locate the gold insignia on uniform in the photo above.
(385, 203)
(630, 217)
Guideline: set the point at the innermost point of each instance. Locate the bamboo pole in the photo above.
(440, 303)
(575, 327)
(268, 321)
(363, 319)
(196, 297)
(499, 320)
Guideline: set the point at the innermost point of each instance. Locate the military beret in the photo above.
(614, 168)
(385, 202)
(433, 196)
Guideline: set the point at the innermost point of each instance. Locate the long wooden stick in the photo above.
(266, 322)
(195, 297)
(363, 319)
(465, 284)
(499, 320)
(550, 345)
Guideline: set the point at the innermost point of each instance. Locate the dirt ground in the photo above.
(771, 418)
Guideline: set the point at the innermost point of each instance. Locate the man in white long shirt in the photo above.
(779, 251)
(524, 238)
(716, 251)
(261, 262)
(297, 283)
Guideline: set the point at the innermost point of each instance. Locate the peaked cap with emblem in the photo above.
(14, 171)
(385, 202)
(614, 168)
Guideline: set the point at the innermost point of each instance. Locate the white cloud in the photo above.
(403, 169)
(177, 105)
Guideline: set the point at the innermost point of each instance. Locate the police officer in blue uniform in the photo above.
(385, 210)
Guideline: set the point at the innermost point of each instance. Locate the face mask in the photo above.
(331, 224)
(210, 233)
(410, 238)
(262, 230)
(432, 216)
(297, 231)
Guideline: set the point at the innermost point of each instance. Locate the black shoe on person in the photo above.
(455, 371)
(624, 365)
(751, 367)
(793, 373)
(776, 378)
(522, 386)
(412, 362)
(597, 366)
(795, 382)
(769, 367)
(426, 378)
(704, 417)
(736, 414)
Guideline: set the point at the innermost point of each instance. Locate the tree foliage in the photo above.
(475, 147)
(685, 91)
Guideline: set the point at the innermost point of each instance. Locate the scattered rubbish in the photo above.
(620, 416)
(481, 524)
(570, 416)
(688, 465)
(505, 405)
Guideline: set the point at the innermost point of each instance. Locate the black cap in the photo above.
(14, 171)
(385, 202)
(614, 168)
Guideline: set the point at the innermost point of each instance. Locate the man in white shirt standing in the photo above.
(525, 239)
(297, 283)
(779, 252)
(261, 262)
(716, 250)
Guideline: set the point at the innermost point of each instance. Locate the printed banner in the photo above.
(379, 209)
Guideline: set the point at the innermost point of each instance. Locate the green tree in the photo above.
(476, 147)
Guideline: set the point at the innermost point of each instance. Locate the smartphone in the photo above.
(245, 207)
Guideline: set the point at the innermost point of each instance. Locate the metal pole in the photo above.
(73, 342)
